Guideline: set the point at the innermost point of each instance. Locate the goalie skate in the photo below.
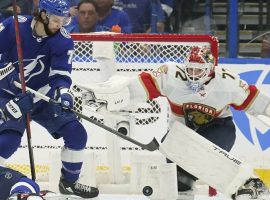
(254, 188)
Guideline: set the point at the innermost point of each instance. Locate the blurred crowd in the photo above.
(24, 7)
(125, 16)
(122, 16)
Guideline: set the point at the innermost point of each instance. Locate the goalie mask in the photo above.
(198, 67)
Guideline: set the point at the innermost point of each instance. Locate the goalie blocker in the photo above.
(189, 150)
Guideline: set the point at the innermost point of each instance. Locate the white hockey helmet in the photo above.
(198, 67)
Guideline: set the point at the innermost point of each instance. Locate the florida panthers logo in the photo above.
(198, 114)
(262, 79)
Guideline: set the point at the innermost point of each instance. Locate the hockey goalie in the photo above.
(202, 131)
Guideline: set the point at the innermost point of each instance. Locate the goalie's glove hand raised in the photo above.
(21, 104)
(66, 98)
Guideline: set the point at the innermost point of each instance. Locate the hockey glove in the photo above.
(8, 75)
(66, 98)
(18, 106)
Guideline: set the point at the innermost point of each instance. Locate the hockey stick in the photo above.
(151, 146)
(23, 87)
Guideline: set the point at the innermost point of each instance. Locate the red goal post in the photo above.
(169, 40)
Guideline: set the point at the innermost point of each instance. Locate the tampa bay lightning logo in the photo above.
(258, 77)
(34, 67)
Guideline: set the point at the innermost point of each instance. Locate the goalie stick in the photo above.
(151, 146)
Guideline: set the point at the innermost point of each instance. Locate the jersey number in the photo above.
(225, 74)
(180, 74)
(70, 56)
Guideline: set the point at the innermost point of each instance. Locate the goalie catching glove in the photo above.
(18, 106)
(114, 93)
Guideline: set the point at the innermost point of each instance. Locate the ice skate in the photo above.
(254, 188)
(77, 189)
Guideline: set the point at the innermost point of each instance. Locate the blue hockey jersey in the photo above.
(47, 60)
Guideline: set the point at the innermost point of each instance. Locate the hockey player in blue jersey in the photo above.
(47, 50)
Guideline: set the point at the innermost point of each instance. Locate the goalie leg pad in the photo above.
(205, 160)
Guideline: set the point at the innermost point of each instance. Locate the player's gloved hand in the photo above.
(18, 106)
(66, 98)
(8, 75)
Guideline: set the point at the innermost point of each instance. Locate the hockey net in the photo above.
(131, 54)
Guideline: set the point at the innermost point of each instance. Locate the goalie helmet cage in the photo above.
(131, 53)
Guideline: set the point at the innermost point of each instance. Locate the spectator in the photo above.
(265, 49)
(86, 19)
(183, 12)
(167, 7)
(24, 7)
(111, 19)
(73, 11)
(73, 7)
(140, 14)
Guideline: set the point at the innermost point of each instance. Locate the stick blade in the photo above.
(152, 146)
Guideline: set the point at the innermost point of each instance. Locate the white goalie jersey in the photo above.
(223, 90)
